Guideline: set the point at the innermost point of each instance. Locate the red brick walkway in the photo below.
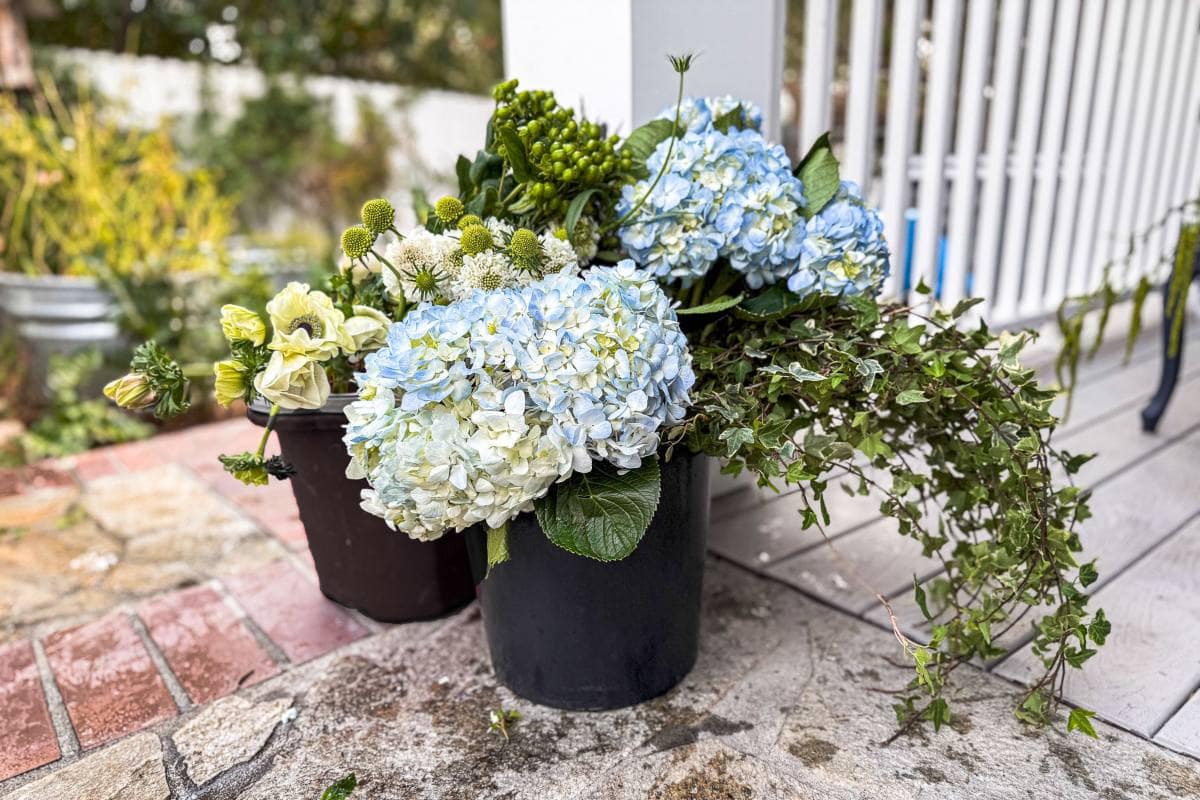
(85, 686)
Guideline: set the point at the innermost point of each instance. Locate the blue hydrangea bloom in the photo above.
(844, 252)
(698, 113)
(728, 195)
(474, 409)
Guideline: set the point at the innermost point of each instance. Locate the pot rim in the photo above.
(336, 404)
(72, 281)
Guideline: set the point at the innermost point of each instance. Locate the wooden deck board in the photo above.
(1182, 730)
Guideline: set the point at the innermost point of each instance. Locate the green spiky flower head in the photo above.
(524, 244)
(378, 215)
(357, 241)
(476, 239)
(448, 209)
(467, 220)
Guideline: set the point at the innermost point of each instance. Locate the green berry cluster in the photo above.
(567, 155)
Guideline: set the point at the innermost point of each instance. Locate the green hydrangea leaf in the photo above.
(818, 172)
(730, 119)
(641, 143)
(602, 514)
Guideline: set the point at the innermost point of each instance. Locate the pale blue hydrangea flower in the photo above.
(699, 113)
(844, 251)
(728, 195)
(474, 409)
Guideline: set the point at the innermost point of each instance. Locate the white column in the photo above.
(610, 58)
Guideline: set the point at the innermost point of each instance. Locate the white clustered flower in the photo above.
(420, 252)
(490, 271)
(560, 255)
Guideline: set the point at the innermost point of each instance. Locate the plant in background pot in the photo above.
(295, 370)
(559, 415)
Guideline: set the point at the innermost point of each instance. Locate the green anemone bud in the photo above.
(132, 391)
(525, 245)
(357, 241)
(476, 239)
(378, 215)
(468, 220)
(448, 209)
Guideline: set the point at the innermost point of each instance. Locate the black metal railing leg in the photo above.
(1154, 410)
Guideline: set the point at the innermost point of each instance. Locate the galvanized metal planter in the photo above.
(360, 561)
(51, 314)
(573, 633)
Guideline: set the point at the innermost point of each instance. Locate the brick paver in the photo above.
(108, 682)
(29, 739)
(293, 612)
(207, 647)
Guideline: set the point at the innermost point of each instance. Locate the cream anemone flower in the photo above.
(307, 323)
(293, 381)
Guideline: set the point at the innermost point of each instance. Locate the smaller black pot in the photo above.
(574, 633)
(360, 561)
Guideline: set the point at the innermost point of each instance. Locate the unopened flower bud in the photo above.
(131, 391)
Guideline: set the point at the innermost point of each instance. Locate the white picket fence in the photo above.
(1014, 146)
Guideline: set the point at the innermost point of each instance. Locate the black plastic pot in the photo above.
(574, 633)
(361, 563)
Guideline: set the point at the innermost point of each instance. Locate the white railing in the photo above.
(1083, 117)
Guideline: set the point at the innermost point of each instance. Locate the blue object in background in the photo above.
(910, 222)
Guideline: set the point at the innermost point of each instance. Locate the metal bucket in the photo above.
(49, 314)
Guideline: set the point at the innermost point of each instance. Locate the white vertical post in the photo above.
(1016, 218)
(858, 161)
(820, 26)
(1170, 77)
(1083, 241)
(977, 52)
(1034, 299)
(610, 58)
(939, 115)
(901, 123)
(990, 221)
(1133, 163)
(1065, 221)
(1116, 158)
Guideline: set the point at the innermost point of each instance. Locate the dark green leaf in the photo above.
(777, 301)
(733, 118)
(1088, 574)
(575, 209)
(514, 152)
(342, 789)
(818, 172)
(963, 306)
(938, 713)
(1100, 627)
(641, 143)
(601, 514)
(919, 594)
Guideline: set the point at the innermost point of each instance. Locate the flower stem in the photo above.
(262, 443)
(666, 161)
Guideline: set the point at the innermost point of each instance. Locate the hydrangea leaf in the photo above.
(776, 302)
(818, 171)
(730, 119)
(602, 514)
(723, 303)
(641, 143)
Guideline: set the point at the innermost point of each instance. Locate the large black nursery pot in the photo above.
(575, 633)
(360, 561)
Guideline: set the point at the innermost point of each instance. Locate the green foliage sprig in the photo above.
(165, 378)
(952, 433)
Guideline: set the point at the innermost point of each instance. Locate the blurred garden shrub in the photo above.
(451, 44)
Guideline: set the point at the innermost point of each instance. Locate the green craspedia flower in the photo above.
(448, 209)
(525, 245)
(378, 215)
(357, 241)
(476, 239)
(467, 220)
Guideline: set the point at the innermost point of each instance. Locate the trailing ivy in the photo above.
(953, 433)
